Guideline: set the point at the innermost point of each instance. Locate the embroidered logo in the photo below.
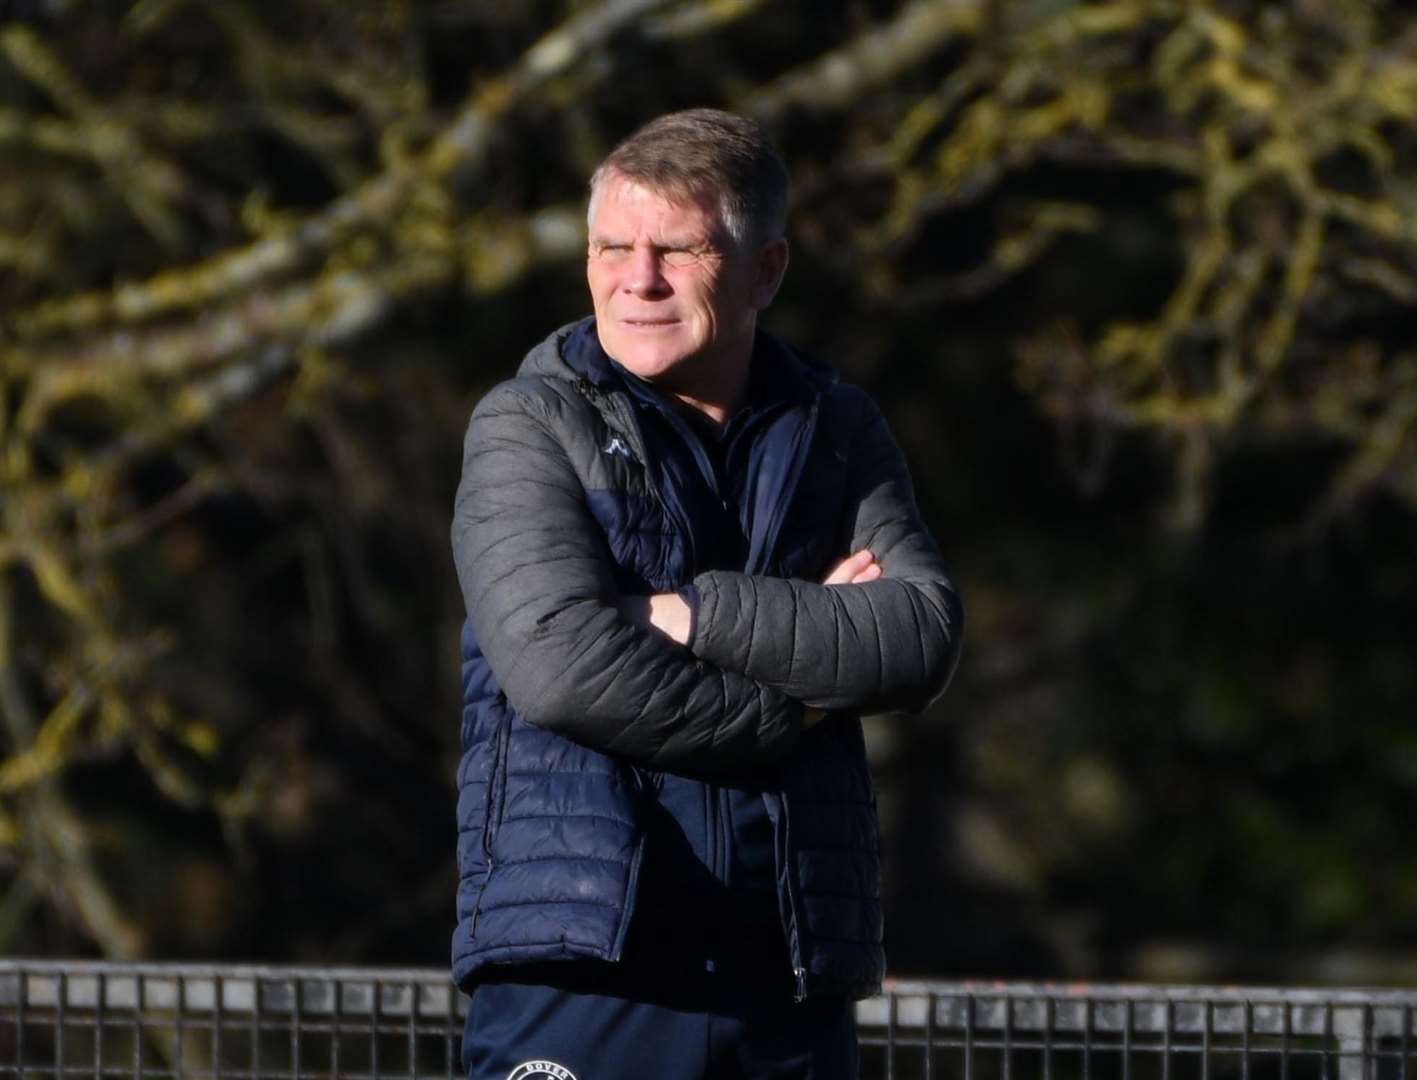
(616, 446)
(541, 1070)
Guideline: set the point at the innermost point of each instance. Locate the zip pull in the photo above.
(800, 974)
(477, 907)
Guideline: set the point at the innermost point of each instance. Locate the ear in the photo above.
(769, 265)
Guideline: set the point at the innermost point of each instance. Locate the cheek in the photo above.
(724, 303)
(708, 296)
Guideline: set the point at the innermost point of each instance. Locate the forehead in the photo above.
(621, 205)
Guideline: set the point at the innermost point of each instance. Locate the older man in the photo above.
(691, 560)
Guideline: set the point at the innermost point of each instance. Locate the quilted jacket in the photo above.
(569, 709)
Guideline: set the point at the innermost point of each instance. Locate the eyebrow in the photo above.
(670, 243)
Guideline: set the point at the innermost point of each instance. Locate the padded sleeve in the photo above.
(887, 645)
(537, 578)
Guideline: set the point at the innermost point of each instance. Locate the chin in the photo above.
(648, 360)
(650, 367)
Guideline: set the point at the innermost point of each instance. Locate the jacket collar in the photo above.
(779, 372)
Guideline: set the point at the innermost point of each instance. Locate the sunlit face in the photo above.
(675, 300)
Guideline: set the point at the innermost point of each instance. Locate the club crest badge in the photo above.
(541, 1070)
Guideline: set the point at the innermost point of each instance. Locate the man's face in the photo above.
(673, 295)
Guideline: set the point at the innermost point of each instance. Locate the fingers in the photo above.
(871, 573)
(854, 570)
(848, 568)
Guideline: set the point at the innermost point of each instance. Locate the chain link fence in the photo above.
(104, 1021)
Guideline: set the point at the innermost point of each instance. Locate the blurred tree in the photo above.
(1133, 279)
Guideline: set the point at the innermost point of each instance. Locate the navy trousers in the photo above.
(707, 1027)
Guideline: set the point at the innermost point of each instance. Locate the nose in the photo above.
(644, 276)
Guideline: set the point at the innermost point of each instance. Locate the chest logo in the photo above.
(541, 1070)
(616, 448)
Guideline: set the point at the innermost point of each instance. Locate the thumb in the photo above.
(846, 570)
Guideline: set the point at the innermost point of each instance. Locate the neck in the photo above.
(718, 403)
(716, 384)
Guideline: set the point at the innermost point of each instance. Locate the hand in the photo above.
(665, 612)
(855, 569)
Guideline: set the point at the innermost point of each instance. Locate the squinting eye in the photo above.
(611, 252)
(679, 258)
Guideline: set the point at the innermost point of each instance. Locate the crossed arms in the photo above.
(539, 587)
(670, 614)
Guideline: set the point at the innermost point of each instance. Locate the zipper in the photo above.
(632, 893)
(501, 738)
(711, 829)
(725, 837)
(800, 453)
(794, 938)
(617, 947)
(711, 854)
(725, 832)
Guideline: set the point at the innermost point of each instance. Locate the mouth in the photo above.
(649, 324)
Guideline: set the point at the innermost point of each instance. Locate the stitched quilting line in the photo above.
(555, 903)
(567, 817)
(563, 858)
(556, 772)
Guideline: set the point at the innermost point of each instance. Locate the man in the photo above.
(691, 560)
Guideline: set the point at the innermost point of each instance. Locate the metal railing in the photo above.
(102, 1021)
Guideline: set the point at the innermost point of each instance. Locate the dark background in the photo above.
(1134, 282)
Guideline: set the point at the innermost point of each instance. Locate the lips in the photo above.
(650, 324)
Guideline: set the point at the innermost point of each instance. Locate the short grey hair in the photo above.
(707, 153)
